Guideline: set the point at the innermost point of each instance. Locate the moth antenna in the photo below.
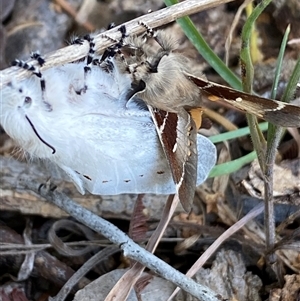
(38, 135)
(33, 70)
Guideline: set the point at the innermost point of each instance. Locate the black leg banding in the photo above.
(33, 70)
(114, 49)
(36, 56)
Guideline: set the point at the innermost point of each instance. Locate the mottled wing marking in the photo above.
(178, 136)
(274, 111)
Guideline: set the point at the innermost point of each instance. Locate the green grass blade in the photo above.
(232, 166)
(236, 133)
(198, 41)
(273, 130)
(279, 62)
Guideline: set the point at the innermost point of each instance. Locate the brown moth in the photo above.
(160, 77)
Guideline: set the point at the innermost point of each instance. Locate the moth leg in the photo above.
(75, 40)
(163, 41)
(159, 36)
(37, 56)
(150, 32)
(90, 60)
(111, 51)
(90, 56)
(34, 70)
(116, 50)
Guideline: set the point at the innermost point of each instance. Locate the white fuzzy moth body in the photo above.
(82, 122)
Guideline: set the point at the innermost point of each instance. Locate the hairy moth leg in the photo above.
(111, 51)
(37, 56)
(33, 69)
(89, 58)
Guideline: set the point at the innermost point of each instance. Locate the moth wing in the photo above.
(120, 155)
(274, 111)
(178, 136)
(207, 157)
(129, 160)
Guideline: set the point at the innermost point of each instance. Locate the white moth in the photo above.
(84, 123)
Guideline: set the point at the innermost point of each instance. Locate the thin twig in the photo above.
(86, 267)
(75, 52)
(257, 210)
(124, 285)
(115, 235)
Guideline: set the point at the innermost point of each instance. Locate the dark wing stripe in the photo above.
(276, 112)
(178, 136)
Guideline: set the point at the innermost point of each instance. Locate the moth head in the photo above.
(20, 107)
(155, 62)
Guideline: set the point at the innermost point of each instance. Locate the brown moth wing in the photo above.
(274, 111)
(178, 136)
